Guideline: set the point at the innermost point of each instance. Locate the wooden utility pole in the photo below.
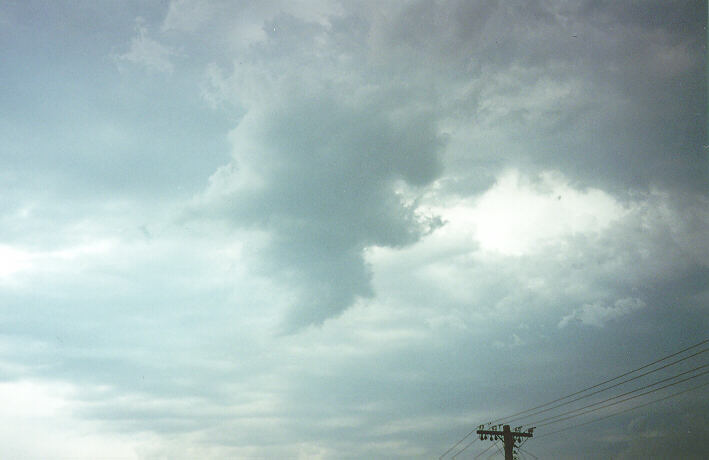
(509, 437)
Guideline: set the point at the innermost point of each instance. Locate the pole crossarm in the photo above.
(501, 433)
(509, 437)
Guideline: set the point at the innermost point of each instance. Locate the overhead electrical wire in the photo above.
(622, 394)
(498, 448)
(579, 392)
(464, 448)
(528, 452)
(481, 453)
(496, 421)
(538, 424)
(523, 442)
(543, 435)
(458, 443)
(607, 388)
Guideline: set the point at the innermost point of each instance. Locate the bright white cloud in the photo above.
(517, 216)
(18, 265)
(39, 420)
(12, 260)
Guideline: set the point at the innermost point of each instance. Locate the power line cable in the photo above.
(497, 444)
(607, 388)
(620, 395)
(614, 403)
(599, 384)
(464, 448)
(528, 452)
(543, 435)
(458, 443)
(523, 443)
(481, 453)
(572, 394)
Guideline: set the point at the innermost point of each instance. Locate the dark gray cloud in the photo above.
(629, 113)
(664, 434)
(317, 162)
(321, 177)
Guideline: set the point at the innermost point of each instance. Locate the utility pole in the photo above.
(509, 437)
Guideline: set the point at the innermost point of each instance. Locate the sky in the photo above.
(347, 230)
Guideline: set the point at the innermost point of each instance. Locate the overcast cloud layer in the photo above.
(279, 229)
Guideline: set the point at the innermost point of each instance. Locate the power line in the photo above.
(523, 443)
(617, 402)
(625, 410)
(607, 388)
(458, 443)
(579, 392)
(621, 395)
(498, 448)
(528, 452)
(598, 384)
(463, 449)
(481, 453)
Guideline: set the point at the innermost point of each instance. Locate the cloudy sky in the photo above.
(356, 229)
